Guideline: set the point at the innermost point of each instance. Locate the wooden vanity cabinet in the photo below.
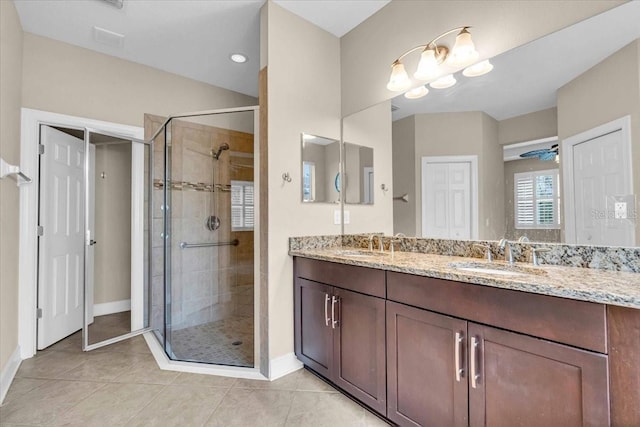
(432, 352)
(340, 333)
(509, 378)
(426, 368)
(449, 372)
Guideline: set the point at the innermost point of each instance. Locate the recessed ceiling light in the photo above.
(238, 57)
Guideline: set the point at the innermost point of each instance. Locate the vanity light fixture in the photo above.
(435, 60)
(479, 69)
(417, 92)
(444, 82)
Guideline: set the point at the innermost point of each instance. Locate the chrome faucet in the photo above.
(508, 251)
(487, 250)
(373, 236)
(535, 259)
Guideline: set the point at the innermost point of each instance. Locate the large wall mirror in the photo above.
(538, 148)
(320, 169)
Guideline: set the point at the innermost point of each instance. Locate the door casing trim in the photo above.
(28, 245)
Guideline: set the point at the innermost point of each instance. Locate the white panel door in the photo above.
(601, 172)
(446, 200)
(61, 248)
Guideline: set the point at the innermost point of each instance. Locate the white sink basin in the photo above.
(361, 253)
(496, 269)
(490, 271)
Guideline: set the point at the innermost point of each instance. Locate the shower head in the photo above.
(221, 148)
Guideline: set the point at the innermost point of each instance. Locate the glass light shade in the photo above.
(417, 92)
(444, 82)
(399, 79)
(428, 65)
(479, 69)
(464, 52)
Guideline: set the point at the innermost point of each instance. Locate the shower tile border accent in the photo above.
(597, 257)
(158, 184)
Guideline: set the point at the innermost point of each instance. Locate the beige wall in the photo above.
(112, 271)
(463, 134)
(71, 80)
(372, 128)
(404, 175)
(303, 96)
(606, 92)
(528, 127)
(491, 219)
(10, 100)
(369, 49)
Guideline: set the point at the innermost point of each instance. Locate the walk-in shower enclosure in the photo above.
(202, 236)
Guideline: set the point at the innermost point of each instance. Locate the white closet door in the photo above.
(446, 200)
(600, 173)
(61, 247)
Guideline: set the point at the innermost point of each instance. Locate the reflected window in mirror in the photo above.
(537, 200)
(359, 175)
(308, 181)
(319, 166)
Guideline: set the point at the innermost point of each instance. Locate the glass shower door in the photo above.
(208, 252)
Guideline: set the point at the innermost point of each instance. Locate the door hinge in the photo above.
(40, 231)
(41, 149)
(39, 313)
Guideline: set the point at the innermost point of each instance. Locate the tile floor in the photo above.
(121, 385)
(225, 342)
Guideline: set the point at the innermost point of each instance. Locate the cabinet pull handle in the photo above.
(334, 322)
(475, 376)
(458, 354)
(326, 310)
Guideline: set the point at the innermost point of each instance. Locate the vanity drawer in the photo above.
(359, 279)
(576, 323)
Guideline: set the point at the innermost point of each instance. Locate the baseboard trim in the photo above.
(9, 372)
(111, 307)
(283, 365)
(167, 364)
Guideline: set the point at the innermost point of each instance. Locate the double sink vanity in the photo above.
(426, 339)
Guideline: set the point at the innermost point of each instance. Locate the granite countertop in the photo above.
(599, 286)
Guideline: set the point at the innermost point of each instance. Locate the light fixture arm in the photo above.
(431, 43)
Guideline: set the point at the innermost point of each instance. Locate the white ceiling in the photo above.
(194, 38)
(191, 38)
(335, 16)
(526, 79)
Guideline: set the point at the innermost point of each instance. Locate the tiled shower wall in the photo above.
(211, 283)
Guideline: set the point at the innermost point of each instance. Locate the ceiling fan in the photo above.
(544, 154)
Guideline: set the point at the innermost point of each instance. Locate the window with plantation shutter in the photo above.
(537, 199)
(242, 218)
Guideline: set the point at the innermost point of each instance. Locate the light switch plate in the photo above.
(336, 217)
(620, 209)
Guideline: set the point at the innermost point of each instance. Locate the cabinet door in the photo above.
(426, 368)
(313, 333)
(525, 381)
(359, 348)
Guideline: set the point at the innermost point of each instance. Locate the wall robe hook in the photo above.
(286, 177)
(384, 187)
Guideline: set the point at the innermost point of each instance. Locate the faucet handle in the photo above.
(487, 250)
(534, 254)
